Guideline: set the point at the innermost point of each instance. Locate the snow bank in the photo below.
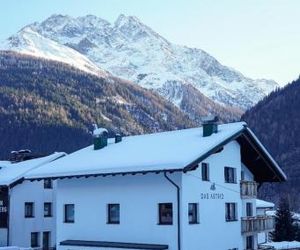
(283, 245)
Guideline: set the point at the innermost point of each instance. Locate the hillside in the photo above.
(276, 121)
(132, 50)
(49, 106)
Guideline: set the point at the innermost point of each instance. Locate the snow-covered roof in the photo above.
(12, 172)
(165, 151)
(264, 204)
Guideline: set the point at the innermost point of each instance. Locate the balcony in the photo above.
(248, 189)
(257, 224)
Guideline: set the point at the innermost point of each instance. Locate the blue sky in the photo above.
(259, 38)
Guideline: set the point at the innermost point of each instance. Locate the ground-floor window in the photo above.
(69, 213)
(165, 211)
(113, 213)
(193, 213)
(35, 239)
(249, 242)
(46, 240)
(230, 211)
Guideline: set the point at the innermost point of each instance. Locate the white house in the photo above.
(189, 189)
(26, 208)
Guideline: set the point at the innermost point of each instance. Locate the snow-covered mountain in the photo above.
(131, 50)
(28, 41)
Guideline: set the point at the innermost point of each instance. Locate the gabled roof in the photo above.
(13, 172)
(179, 150)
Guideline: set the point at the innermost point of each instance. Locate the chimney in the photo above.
(210, 125)
(21, 155)
(118, 138)
(100, 137)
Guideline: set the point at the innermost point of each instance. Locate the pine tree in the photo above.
(284, 223)
(297, 236)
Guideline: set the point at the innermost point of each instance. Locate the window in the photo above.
(193, 213)
(69, 215)
(29, 209)
(46, 240)
(35, 239)
(113, 213)
(165, 213)
(249, 209)
(230, 175)
(205, 171)
(48, 184)
(230, 211)
(249, 242)
(47, 209)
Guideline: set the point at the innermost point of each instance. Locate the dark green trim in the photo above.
(108, 244)
(17, 182)
(107, 174)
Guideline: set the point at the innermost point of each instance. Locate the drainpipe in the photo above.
(8, 214)
(178, 209)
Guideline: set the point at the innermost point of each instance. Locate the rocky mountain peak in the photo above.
(130, 49)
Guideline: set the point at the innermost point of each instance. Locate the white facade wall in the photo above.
(3, 236)
(213, 232)
(20, 228)
(139, 196)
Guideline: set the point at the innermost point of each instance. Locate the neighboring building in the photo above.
(181, 190)
(262, 209)
(27, 215)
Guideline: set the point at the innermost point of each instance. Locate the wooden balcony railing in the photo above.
(257, 224)
(248, 189)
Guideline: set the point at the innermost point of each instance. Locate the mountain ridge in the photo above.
(132, 50)
(275, 120)
(49, 106)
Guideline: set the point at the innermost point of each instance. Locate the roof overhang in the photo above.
(258, 160)
(253, 154)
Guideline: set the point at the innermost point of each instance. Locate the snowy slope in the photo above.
(131, 50)
(28, 41)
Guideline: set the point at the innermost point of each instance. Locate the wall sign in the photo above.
(3, 207)
(212, 196)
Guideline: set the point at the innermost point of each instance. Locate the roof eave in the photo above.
(273, 164)
(194, 164)
(246, 131)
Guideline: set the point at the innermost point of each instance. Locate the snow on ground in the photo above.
(283, 245)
